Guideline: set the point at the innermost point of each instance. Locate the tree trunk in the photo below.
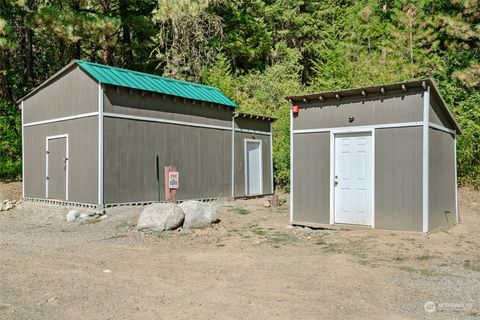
(107, 45)
(29, 47)
(77, 51)
(126, 36)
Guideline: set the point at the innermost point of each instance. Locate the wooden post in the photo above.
(170, 194)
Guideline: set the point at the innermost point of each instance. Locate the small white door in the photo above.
(253, 167)
(353, 178)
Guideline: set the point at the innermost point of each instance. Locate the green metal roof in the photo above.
(149, 82)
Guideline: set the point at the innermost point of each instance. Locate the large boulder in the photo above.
(198, 214)
(160, 217)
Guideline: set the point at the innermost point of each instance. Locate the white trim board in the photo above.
(233, 156)
(23, 153)
(441, 128)
(47, 139)
(360, 128)
(425, 160)
(77, 116)
(254, 131)
(245, 166)
(100, 145)
(291, 164)
(183, 123)
(456, 186)
(271, 159)
(125, 116)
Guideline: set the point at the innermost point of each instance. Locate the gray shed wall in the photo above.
(387, 109)
(311, 178)
(71, 94)
(240, 162)
(438, 115)
(252, 124)
(83, 158)
(442, 184)
(398, 178)
(131, 102)
(201, 155)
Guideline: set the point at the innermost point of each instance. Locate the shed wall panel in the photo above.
(252, 124)
(202, 157)
(83, 155)
(72, 94)
(389, 109)
(398, 178)
(131, 102)
(438, 115)
(240, 137)
(442, 184)
(311, 177)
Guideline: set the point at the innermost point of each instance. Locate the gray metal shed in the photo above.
(91, 134)
(382, 156)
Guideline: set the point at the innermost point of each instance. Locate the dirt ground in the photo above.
(248, 266)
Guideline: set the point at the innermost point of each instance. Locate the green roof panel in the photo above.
(149, 82)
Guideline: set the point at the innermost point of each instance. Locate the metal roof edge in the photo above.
(444, 104)
(85, 64)
(254, 116)
(362, 91)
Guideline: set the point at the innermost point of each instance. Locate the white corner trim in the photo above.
(182, 123)
(373, 178)
(233, 156)
(365, 128)
(67, 154)
(245, 159)
(271, 159)
(425, 154)
(23, 153)
(100, 145)
(291, 164)
(441, 128)
(77, 116)
(332, 178)
(456, 183)
(254, 131)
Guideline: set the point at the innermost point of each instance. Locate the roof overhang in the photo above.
(365, 92)
(254, 116)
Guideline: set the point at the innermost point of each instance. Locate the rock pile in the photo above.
(8, 204)
(169, 216)
(84, 217)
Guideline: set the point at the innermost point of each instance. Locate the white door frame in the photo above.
(59, 136)
(334, 132)
(245, 141)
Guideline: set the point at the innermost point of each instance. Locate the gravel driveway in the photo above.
(248, 266)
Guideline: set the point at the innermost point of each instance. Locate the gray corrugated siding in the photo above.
(389, 109)
(164, 107)
(83, 160)
(438, 115)
(72, 94)
(202, 157)
(240, 162)
(311, 178)
(398, 178)
(252, 124)
(442, 180)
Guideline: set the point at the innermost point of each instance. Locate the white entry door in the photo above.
(353, 178)
(253, 167)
